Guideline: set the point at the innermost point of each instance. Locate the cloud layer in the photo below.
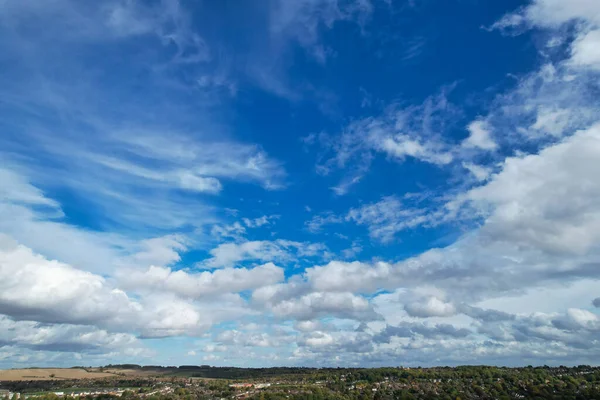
(262, 200)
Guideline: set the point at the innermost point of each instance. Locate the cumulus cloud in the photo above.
(480, 173)
(584, 52)
(538, 227)
(480, 136)
(537, 203)
(203, 284)
(485, 315)
(164, 250)
(506, 340)
(299, 301)
(353, 276)
(248, 339)
(320, 304)
(308, 326)
(552, 14)
(431, 307)
(409, 330)
(49, 291)
(64, 337)
(37, 289)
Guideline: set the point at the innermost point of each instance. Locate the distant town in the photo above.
(134, 382)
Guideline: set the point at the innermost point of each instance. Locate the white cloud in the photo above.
(550, 298)
(315, 224)
(398, 133)
(320, 304)
(303, 20)
(585, 50)
(116, 155)
(384, 219)
(545, 105)
(203, 284)
(430, 307)
(36, 221)
(553, 13)
(16, 189)
(540, 229)
(551, 121)
(164, 250)
(308, 326)
(480, 173)
(218, 82)
(234, 231)
(580, 319)
(200, 166)
(245, 339)
(480, 136)
(37, 289)
(284, 251)
(351, 276)
(129, 19)
(69, 22)
(63, 337)
(537, 201)
(199, 183)
(352, 251)
(34, 288)
(400, 147)
(211, 348)
(560, 97)
(319, 339)
(260, 221)
(387, 217)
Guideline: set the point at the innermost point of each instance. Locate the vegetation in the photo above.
(471, 382)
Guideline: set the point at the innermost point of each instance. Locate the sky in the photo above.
(301, 183)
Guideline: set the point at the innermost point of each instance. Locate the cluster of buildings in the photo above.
(7, 394)
(113, 392)
(250, 385)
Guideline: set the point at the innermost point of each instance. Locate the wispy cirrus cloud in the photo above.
(279, 250)
(399, 133)
(117, 154)
(385, 218)
(303, 21)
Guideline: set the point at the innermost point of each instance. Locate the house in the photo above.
(241, 385)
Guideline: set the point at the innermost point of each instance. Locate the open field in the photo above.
(133, 373)
(33, 374)
(51, 374)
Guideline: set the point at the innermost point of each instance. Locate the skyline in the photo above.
(299, 183)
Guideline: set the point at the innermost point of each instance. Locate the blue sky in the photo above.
(310, 182)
